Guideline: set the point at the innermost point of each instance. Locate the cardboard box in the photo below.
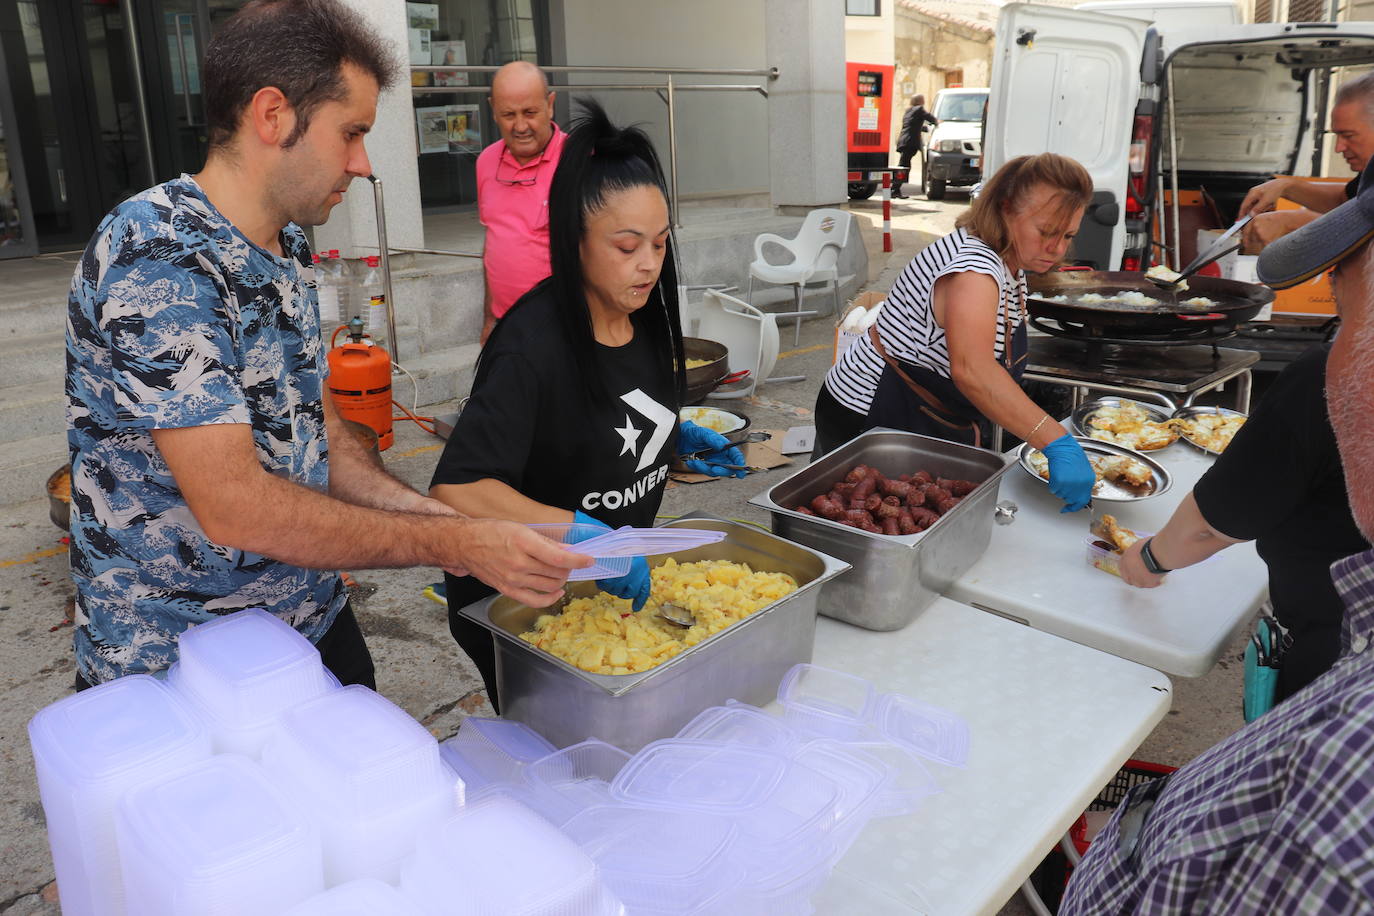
(1313, 297)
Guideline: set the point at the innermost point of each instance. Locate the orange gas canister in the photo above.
(360, 382)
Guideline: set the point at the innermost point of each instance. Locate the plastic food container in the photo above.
(364, 897)
(88, 750)
(660, 862)
(490, 752)
(368, 773)
(825, 703)
(497, 856)
(220, 837)
(243, 670)
(929, 731)
(862, 779)
(741, 724)
(701, 776)
(575, 778)
(910, 783)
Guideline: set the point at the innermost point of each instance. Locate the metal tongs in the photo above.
(1219, 248)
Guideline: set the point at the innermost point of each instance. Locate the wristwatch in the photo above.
(1147, 556)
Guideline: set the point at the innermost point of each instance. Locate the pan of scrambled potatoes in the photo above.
(596, 668)
(601, 634)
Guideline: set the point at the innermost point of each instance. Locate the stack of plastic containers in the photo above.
(367, 773)
(242, 671)
(498, 858)
(493, 752)
(219, 837)
(364, 897)
(88, 750)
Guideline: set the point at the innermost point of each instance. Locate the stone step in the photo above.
(26, 464)
(32, 358)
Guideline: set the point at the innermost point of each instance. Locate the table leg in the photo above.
(1243, 392)
(996, 438)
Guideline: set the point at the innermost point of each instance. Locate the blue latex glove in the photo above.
(715, 451)
(634, 585)
(1071, 476)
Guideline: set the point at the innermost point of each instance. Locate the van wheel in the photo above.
(862, 190)
(935, 188)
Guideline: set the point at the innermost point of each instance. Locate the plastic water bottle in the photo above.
(327, 282)
(348, 296)
(372, 296)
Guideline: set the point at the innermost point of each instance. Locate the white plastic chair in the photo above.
(750, 336)
(815, 258)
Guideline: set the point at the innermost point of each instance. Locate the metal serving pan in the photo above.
(702, 380)
(1184, 413)
(1160, 478)
(745, 661)
(894, 578)
(1080, 417)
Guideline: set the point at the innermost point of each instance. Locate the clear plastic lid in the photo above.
(700, 776)
(516, 740)
(575, 778)
(826, 703)
(659, 861)
(929, 731)
(740, 723)
(575, 535)
(128, 726)
(614, 550)
(357, 749)
(498, 857)
(363, 897)
(246, 667)
(218, 819)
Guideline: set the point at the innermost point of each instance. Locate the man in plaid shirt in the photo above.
(1278, 818)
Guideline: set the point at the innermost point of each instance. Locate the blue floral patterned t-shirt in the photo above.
(175, 319)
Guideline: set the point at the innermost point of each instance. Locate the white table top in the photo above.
(1035, 571)
(1050, 723)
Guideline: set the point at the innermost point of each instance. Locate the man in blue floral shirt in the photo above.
(1278, 818)
(210, 472)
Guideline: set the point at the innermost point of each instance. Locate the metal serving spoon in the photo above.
(678, 616)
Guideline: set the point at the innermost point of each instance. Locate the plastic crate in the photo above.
(1051, 876)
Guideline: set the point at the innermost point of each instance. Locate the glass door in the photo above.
(17, 236)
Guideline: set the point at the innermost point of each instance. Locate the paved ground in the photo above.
(419, 667)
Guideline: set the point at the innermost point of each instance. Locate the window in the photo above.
(863, 7)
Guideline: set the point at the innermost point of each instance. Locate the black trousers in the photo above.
(342, 649)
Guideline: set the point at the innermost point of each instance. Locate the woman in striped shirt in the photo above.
(947, 353)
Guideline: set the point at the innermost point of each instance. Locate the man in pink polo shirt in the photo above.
(513, 179)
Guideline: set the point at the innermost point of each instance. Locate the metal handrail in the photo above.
(664, 91)
(770, 72)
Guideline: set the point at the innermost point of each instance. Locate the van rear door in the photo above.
(1067, 81)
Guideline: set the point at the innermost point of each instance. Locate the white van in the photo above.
(1216, 108)
(954, 149)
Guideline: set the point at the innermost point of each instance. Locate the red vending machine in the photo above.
(868, 120)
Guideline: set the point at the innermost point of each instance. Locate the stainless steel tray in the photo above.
(745, 661)
(1078, 420)
(893, 578)
(1160, 478)
(1187, 412)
